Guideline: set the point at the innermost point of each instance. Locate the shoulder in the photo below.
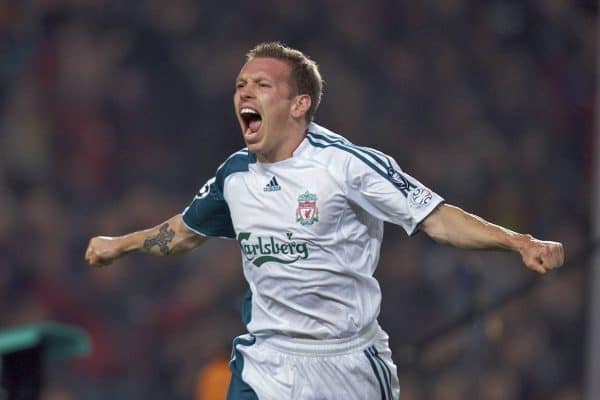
(237, 162)
(338, 151)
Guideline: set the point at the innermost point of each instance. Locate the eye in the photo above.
(239, 85)
(264, 85)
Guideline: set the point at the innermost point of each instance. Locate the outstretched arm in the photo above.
(451, 225)
(170, 237)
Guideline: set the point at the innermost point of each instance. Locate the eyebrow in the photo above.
(258, 79)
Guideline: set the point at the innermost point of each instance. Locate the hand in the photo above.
(542, 256)
(102, 251)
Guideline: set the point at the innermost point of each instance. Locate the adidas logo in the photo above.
(272, 186)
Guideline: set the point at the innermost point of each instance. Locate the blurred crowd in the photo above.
(113, 113)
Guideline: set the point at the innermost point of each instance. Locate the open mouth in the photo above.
(252, 120)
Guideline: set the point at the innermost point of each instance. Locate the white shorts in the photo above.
(278, 368)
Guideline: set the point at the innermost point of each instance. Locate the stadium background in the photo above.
(113, 114)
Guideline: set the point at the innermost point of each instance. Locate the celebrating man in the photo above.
(307, 208)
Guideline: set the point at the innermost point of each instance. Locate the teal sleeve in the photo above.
(208, 213)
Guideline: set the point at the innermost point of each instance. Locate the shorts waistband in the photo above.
(325, 347)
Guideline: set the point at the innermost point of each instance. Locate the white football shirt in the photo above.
(310, 229)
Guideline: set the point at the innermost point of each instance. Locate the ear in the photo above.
(301, 105)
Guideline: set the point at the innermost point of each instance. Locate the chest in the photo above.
(304, 201)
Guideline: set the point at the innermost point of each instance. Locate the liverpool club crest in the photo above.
(307, 212)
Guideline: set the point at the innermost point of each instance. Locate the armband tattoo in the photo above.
(162, 239)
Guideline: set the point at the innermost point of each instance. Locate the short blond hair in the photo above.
(306, 78)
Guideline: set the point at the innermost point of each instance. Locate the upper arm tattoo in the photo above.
(162, 239)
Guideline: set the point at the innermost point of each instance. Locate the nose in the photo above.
(246, 93)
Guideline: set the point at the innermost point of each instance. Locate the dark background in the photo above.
(114, 113)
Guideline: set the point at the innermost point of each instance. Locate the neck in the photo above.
(288, 145)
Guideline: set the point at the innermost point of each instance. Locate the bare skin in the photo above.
(264, 87)
(451, 225)
(169, 238)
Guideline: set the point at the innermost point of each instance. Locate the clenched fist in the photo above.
(102, 251)
(542, 256)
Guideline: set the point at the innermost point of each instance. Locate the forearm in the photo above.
(452, 225)
(168, 238)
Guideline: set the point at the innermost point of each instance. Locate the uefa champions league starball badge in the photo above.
(307, 212)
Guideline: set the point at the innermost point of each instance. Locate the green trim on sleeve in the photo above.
(208, 213)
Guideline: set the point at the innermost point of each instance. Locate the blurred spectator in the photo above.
(113, 113)
(213, 380)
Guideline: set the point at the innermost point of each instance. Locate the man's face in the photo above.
(263, 100)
